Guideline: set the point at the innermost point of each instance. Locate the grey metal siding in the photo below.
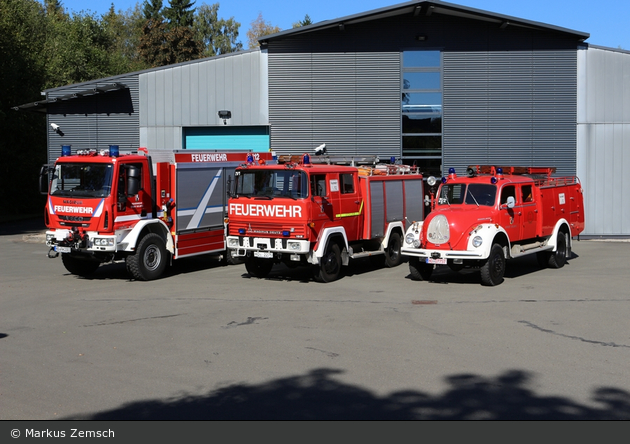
(191, 94)
(350, 101)
(93, 122)
(511, 107)
(603, 140)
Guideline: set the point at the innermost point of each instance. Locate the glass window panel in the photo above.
(426, 145)
(421, 59)
(421, 80)
(415, 123)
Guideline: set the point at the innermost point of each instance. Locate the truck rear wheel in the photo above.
(78, 265)
(149, 261)
(558, 258)
(493, 270)
(393, 257)
(256, 267)
(329, 268)
(420, 271)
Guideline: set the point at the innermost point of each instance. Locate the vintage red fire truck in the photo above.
(493, 214)
(144, 209)
(321, 215)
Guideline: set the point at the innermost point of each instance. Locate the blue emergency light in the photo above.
(114, 151)
(66, 150)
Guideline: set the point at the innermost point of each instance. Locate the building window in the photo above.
(422, 110)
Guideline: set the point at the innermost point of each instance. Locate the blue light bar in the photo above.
(114, 151)
(286, 233)
(241, 231)
(66, 150)
(306, 159)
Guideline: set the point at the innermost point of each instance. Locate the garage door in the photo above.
(241, 138)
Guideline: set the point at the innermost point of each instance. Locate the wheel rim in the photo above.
(394, 248)
(331, 264)
(152, 257)
(496, 267)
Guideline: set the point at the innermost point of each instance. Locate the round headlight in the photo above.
(409, 238)
(431, 181)
(477, 241)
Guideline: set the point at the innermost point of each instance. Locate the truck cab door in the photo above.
(510, 216)
(529, 209)
(133, 202)
(322, 210)
(348, 204)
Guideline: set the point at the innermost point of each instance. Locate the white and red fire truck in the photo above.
(493, 214)
(143, 209)
(322, 214)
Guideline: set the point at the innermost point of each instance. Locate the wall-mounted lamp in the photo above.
(421, 37)
(341, 27)
(225, 115)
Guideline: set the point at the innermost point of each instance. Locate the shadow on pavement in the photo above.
(317, 396)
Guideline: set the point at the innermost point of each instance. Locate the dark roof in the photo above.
(42, 105)
(426, 8)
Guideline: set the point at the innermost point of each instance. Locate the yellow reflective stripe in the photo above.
(358, 213)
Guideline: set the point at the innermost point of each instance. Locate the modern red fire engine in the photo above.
(493, 214)
(144, 209)
(317, 212)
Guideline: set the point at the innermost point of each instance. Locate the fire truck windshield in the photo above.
(270, 183)
(472, 194)
(81, 179)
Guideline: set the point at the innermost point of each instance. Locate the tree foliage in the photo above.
(259, 28)
(218, 36)
(307, 21)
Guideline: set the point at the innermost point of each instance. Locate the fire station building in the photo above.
(429, 83)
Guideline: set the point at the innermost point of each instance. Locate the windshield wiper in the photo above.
(471, 195)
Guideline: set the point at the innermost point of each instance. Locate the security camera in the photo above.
(320, 149)
(56, 129)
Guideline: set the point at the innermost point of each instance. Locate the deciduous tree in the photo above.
(259, 28)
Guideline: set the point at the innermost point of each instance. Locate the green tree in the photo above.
(259, 28)
(152, 9)
(180, 13)
(23, 27)
(307, 21)
(124, 29)
(218, 36)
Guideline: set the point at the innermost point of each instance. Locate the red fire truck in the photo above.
(493, 214)
(322, 214)
(144, 209)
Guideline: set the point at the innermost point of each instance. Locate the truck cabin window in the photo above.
(474, 194)
(81, 180)
(271, 184)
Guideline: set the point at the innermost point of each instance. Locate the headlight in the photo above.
(232, 242)
(409, 238)
(416, 243)
(50, 237)
(477, 241)
(104, 242)
(295, 246)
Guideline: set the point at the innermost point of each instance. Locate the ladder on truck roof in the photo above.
(330, 160)
(473, 170)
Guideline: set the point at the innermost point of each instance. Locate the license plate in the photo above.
(263, 254)
(63, 249)
(441, 261)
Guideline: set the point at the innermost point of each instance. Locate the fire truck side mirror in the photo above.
(510, 202)
(44, 178)
(133, 180)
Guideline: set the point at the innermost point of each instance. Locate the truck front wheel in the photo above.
(329, 268)
(393, 257)
(256, 267)
(149, 261)
(493, 270)
(78, 265)
(420, 271)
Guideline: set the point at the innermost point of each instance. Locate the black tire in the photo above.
(257, 267)
(455, 267)
(78, 265)
(493, 270)
(393, 256)
(329, 268)
(228, 259)
(420, 270)
(558, 258)
(149, 261)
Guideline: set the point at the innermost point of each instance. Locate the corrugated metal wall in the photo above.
(191, 94)
(350, 101)
(510, 107)
(95, 122)
(604, 140)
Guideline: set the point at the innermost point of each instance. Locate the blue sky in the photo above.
(605, 20)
